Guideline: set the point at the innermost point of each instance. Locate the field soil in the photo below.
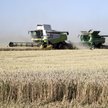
(54, 79)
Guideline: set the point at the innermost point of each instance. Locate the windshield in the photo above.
(37, 34)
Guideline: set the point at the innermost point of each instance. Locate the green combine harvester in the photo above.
(92, 38)
(43, 37)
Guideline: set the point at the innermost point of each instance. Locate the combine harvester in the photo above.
(91, 39)
(44, 37)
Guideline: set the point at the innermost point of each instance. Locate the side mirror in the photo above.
(67, 33)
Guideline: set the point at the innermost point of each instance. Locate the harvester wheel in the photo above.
(99, 45)
(11, 44)
(44, 45)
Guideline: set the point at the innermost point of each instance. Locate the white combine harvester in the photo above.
(44, 36)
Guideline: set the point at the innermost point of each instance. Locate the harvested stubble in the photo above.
(63, 79)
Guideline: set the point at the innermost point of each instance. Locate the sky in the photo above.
(17, 17)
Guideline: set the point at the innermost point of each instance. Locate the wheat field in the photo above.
(54, 79)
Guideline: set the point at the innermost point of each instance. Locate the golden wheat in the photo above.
(54, 78)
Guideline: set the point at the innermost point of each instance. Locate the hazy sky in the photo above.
(17, 17)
